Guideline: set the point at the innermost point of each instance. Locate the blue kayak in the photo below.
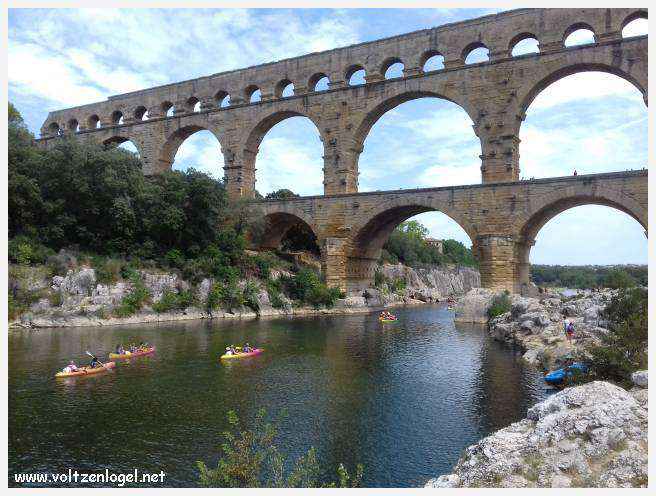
(558, 376)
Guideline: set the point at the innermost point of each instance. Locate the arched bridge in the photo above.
(495, 93)
(502, 215)
(502, 220)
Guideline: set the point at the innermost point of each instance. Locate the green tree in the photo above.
(281, 194)
(251, 458)
(623, 349)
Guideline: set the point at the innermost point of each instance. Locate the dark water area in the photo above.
(403, 399)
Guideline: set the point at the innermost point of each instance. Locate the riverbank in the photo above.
(536, 325)
(78, 299)
(593, 435)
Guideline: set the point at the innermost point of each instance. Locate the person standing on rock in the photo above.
(566, 324)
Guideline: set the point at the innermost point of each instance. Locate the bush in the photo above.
(623, 350)
(214, 297)
(250, 458)
(108, 270)
(134, 300)
(171, 300)
(250, 296)
(500, 305)
(231, 296)
(618, 279)
(25, 251)
(274, 290)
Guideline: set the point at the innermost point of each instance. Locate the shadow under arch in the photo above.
(371, 234)
(260, 130)
(571, 69)
(175, 140)
(277, 226)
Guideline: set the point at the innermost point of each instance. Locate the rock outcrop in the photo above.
(473, 307)
(536, 325)
(594, 435)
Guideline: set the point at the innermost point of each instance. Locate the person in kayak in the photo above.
(120, 350)
(94, 363)
(247, 348)
(71, 367)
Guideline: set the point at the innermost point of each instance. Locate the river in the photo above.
(403, 399)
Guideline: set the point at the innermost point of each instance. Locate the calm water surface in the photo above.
(404, 399)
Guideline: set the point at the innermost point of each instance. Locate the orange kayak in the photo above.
(127, 354)
(87, 370)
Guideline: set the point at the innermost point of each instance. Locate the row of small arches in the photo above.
(393, 67)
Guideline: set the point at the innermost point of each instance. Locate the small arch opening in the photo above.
(253, 94)
(393, 68)
(193, 104)
(222, 99)
(141, 113)
(356, 75)
(284, 89)
(524, 44)
(476, 53)
(53, 128)
(319, 82)
(579, 34)
(432, 61)
(167, 109)
(93, 122)
(636, 25)
(73, 125)
(117, 117)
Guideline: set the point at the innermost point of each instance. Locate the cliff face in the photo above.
(435, 283)
(79, 299)
(594, 435)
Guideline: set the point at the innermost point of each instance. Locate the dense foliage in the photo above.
(500, 304)
(95, 203)
(623, 350)
(251, 458)
(408, 244)
(582, 277)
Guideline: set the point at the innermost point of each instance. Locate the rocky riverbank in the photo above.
(535, 325)
(79, 299)
(593, 435)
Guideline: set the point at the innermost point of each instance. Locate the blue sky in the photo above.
(592, 122)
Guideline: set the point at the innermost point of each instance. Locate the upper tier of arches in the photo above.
(495, 37)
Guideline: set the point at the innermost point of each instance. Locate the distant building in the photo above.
(437, 243)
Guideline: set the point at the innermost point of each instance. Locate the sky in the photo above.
(591, 122)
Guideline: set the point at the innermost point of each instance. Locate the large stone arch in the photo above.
(116, 140)
(370, 234)
(278, 221)
(174, 140)
(257, 132)
(535, 88)
(374, 113)
(544, 208)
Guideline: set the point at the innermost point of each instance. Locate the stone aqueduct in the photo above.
(502, 215)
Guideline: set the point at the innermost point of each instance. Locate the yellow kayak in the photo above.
(256, 351)
(128, 354)
(87, 370)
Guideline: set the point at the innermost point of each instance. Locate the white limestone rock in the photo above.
(591, 435)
